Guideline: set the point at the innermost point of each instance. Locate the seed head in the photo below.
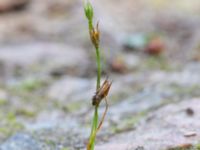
(102, 92)
(94, 35)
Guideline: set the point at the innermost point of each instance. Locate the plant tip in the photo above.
(88, 10)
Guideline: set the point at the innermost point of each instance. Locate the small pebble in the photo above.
(189, 112)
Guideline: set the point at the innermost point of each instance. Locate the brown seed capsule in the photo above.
(94, 35)
(101, 93)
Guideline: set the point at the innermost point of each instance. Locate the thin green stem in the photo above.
(90, 25)
(98, 60)
(93, 131)
(96, 116)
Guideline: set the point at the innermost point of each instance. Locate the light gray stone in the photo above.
(21, 142)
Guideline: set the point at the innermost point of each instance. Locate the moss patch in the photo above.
(9, 125)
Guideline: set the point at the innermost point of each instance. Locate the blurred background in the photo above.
(150, 49)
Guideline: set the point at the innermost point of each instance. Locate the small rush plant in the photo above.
(101, 90)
